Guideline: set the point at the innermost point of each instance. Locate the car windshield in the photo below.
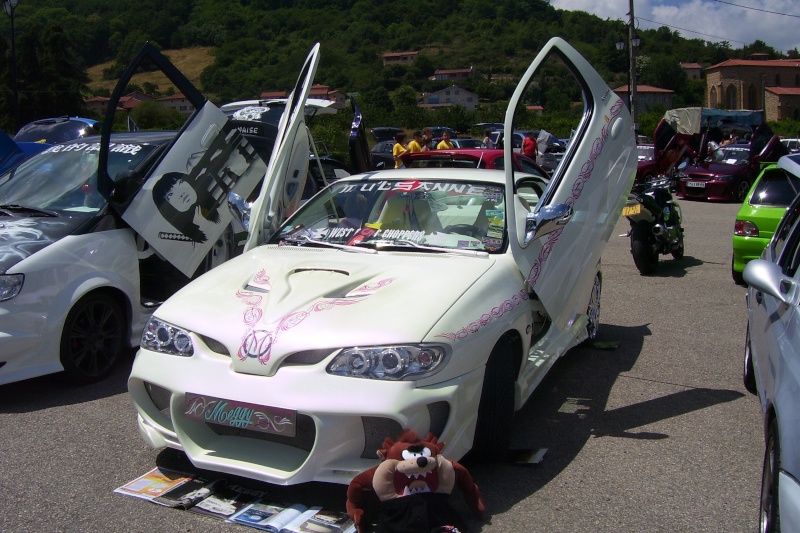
(64, 177)
(775, 188)
(54, 132)
(729, 155)
(439, 214)
(647, 152)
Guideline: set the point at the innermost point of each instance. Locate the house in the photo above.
(647, 97)
(755, 83)
(178, 102)
(694, 71)
(99, 104)
(399, 58)
(449, 96)
(323, 92)
(452, 74)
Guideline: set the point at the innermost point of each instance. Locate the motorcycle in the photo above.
(655, 218)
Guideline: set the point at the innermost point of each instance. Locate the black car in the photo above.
(381, 155)
(385, 133)
(57, 130)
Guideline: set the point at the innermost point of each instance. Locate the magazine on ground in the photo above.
(154, 483)
(234, 503)
(296, 518)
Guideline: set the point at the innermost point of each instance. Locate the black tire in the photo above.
(94, 338)
(748, 372)
(769, 509)
(645, 255)
(593, 310)
(679, 250)
(741, 191)
(738, 277)
(496, 409)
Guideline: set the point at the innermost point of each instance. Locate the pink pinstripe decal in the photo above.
(506, 306)
(577, 189)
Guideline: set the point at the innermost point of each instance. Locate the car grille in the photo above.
(376, 429)
(439, 413)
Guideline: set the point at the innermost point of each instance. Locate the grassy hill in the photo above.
(190, 61)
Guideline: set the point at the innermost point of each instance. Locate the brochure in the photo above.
(188, 494)
(154, 483)
(296, 518)
(227, 500)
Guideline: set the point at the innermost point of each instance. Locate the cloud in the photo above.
(709, 20)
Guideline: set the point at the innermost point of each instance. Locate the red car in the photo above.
(471, 158)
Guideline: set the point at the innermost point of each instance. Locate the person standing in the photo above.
(417, 144)
(400, 147)
(487, 141)
(445, 143)
(530, 146)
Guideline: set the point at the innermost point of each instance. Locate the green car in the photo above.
(770, 195)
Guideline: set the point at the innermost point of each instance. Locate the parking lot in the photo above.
(649, 430)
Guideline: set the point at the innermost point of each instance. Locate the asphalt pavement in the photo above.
(648, 430)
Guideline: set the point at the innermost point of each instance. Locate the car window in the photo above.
(64, 177)
(790, 257)
(458, 215)
(530, 168)
(775, 188)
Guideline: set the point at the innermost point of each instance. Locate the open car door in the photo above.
(584, 198)
(179, 204)
(765, 146)
(288, 164)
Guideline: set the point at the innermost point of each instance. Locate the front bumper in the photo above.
(713, 190)
(341, 422)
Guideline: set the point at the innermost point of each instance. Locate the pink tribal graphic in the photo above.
(485, 319)
(577, 189)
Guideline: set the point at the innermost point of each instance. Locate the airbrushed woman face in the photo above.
(181, 196)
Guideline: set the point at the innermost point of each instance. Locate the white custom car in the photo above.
(89, 247)
(430, 299)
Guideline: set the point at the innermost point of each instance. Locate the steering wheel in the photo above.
(465, 229)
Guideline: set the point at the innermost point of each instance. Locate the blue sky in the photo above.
(739, 22)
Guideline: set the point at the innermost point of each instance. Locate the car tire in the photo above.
(738, 277)
(741, 191)
(593, 310)
(94, 338)
(748, 372)
(769, 509)
(679, 250)
(496, 408)
(645, 257)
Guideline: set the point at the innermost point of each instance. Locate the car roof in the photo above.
(495, 177)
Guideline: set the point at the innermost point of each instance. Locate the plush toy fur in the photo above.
(412, 467)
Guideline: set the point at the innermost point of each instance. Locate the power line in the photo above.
(758, 9)
(691, 31)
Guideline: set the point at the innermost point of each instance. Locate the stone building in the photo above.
(769, 84)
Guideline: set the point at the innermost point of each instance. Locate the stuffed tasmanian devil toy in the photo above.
(413, 483)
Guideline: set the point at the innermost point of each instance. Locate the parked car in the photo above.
(429, 299)
(467, 142)
(472, 158)
(98, 231)
(793, 145)
(551, 148)
(13, 153)
(770, 369)
(57, 130)
(381, 155)
(728, 172)
(775, 188)
(646, 152)
(385, 134)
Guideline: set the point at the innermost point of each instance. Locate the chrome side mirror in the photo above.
(546, 219)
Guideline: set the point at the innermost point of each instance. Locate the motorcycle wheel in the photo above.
(643, 249)
(677, 251)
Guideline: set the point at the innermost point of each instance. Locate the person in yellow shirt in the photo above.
(400, 147)
(418, 143)
(445, 143)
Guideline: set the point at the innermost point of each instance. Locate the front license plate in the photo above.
(629, 210)
(241, 415)
(701, 184)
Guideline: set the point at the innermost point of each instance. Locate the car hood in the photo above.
(21, 237)
(710, 170)
(279, 301)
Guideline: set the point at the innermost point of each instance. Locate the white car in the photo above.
(91, 241)
(429, 299)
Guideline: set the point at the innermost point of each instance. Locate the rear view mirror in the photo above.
(546, 219)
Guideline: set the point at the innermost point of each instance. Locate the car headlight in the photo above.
(10, 285)
(389, 362)
(726, 177)
(162, 337)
